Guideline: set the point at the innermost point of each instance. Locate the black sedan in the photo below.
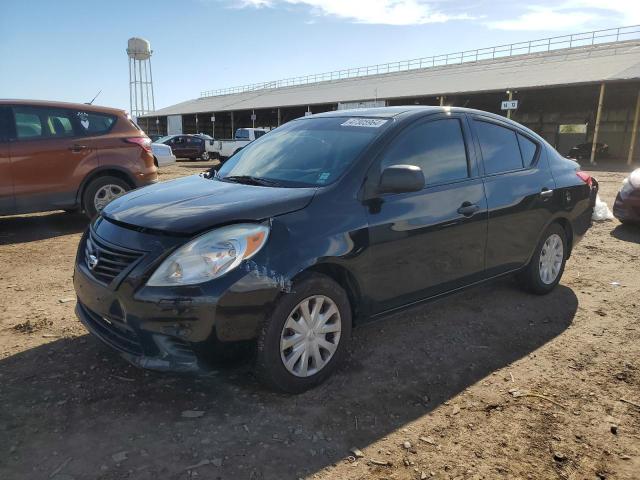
(582, 151)
(323, 224)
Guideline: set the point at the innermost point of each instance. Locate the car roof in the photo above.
(55, 104)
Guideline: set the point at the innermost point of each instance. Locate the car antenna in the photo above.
(92, 100)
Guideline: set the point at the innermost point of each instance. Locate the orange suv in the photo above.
(69, 156)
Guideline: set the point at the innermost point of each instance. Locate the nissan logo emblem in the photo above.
(92, 261)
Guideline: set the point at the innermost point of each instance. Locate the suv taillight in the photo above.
(143, 142)
(585, 177)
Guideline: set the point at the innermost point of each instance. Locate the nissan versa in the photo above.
(328, 221)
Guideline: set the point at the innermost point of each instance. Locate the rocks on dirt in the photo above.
(559, 457)
(357, 452)
(407, 444)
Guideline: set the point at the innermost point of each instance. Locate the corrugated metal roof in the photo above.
(592, 64)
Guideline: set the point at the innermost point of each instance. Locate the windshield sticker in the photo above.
(323, 177)
(364, 122)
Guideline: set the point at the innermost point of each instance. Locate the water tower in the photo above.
(140, 77)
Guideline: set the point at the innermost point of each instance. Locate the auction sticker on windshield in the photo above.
(364, 122)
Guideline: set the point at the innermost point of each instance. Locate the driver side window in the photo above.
(437, 147)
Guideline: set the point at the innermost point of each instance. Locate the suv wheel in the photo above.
(306, 337)
(100, 192)
(205, 156)
(547, 264)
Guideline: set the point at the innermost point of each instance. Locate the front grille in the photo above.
(107, 261)
(113, 332)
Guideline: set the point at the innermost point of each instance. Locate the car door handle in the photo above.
(77, 148)
(467, 209)
(546, 193)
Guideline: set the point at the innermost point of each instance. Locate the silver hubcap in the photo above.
(310, 336)
(551, 257)
(105, 194)
(205, 156)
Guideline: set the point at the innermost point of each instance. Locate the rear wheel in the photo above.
(547, 264)
(205, 156)
(306, 336)
(100, 192)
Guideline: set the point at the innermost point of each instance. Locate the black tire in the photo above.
(530, 278)
(269, 366)
(205, 157)
(89, 194)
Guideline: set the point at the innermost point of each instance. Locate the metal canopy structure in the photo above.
(607, 62)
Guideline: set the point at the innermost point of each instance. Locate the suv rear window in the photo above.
(92, 123)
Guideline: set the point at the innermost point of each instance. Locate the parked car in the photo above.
(223, 149)
(186, 146)
(582, 151)
(327, 222)
(67, 156)
(626, 208)
(163, 155)
(154, 137)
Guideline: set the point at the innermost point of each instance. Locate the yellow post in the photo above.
(596, 131)
(634, 130)
(510, 98)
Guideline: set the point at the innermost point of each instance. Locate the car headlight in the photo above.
(210, 255)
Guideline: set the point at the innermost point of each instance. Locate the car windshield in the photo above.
(303, 153)
(163, 139)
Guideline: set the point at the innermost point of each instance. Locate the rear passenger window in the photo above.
(437, 147)
(34, 122)
(93, 123)
(28, 124)
(500, 149)
(528, 150)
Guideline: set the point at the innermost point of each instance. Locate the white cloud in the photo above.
(386, 12)
(573, 15)
(545, 18)
(626, 12)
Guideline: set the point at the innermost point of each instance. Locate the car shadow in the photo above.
(30, 228)
(77, 399)
(627, 233)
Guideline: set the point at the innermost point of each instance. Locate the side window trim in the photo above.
(516, 131)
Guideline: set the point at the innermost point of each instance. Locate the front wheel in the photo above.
(100, 192)
(205, 156)
(547, 264)
(306, 336)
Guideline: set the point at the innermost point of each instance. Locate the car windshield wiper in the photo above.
(250, 180)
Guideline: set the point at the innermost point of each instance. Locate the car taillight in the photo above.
(585, 177)
(143, 142)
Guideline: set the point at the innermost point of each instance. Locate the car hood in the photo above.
(194, 204)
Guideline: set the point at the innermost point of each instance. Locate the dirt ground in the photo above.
(488, 383)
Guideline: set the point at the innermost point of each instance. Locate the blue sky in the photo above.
(69, 49)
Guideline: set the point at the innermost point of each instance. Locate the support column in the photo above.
(510, 99)
(634, 130)
(279, 117)
(596, 130)
(232, 129)
(442, 100)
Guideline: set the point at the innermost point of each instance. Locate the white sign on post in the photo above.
(253, 117)
(509, 105)
(213, 118)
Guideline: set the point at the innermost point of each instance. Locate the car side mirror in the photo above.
(401, 179)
